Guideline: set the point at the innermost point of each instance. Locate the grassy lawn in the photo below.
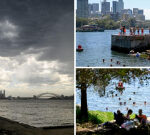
(100, 117)
(97, 117)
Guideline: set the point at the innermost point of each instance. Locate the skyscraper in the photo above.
(115, 6)
(105, 7)
(135, 11)
(120, 5)
(93, 8)
(82, 8)
(140, 12)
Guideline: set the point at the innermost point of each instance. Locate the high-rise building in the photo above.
(82, 8)
(135, 11)
(115, 6)
(90, 8)
(120, 5)
(105, 7)
(95, 7)
(140, 12)
(2, 94)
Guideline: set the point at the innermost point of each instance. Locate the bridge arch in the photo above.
(47, 94)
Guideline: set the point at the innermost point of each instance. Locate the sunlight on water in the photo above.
(142, 94)
(97, 46)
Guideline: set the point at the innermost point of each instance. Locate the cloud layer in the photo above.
(36, 46)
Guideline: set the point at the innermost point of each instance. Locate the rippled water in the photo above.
(95, 102)
(38, 113)
(97, 46)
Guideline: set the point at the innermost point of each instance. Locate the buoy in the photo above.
(79, 49)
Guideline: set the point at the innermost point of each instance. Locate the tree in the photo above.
(102, 78)
(84, 80)
(132, 22)
(81, 21)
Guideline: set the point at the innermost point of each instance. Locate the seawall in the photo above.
(125, 43)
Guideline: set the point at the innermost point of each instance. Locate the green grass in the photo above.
(96, 117)
(100, 117)
(145, 56)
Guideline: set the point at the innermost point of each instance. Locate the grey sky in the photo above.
(36, 46)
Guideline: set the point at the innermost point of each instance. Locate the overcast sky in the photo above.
(36, 47)
(142, 4)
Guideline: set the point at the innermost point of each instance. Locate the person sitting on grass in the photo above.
(128, 114)
(142, 118)
(119, 118)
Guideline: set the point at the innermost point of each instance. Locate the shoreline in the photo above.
(10, 127)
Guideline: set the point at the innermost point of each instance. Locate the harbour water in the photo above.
(97, 46)
(142, 94)
(39, 113)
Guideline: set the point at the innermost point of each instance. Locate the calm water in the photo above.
(97, 46)
(39, 113)
(95, 102)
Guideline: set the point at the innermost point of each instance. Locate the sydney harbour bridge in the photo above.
(48, 95)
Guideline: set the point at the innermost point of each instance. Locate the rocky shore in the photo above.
(9, 127)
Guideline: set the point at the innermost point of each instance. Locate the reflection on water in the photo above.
(38, 113)
(142, 94)
(97, 46)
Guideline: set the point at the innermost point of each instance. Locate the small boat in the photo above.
(79, 49)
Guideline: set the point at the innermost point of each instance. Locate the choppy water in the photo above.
(39, 113)
(97, 46)
(95, 102)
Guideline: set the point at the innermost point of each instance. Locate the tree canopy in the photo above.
(102, 78)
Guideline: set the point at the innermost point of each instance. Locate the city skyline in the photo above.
(139, 4)
(36, 55)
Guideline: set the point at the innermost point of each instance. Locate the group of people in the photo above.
(137, 54)
(123, 30)
(121, 119)
(133, 30)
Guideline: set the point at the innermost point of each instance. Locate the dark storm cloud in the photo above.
(42, 25)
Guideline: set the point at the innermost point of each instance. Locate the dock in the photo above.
(126, 43)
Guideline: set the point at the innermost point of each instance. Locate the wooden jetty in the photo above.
(126, 43)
